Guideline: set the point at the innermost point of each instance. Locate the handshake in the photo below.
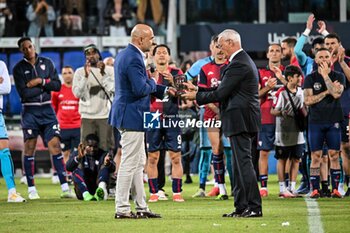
(182, 88)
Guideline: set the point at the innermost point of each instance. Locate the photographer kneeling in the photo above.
(91, 168)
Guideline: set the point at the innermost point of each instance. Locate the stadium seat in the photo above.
(12, 103)
(74, 59)
(55, 57)
(3, 57)
(105, 54)
(13, 60)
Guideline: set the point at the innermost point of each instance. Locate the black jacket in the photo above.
(238, 96)
(43, 68)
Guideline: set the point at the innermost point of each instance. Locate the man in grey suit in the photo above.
(133, 88)
(240, 114)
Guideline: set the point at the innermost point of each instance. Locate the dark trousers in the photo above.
(245, 190)
(161, 170)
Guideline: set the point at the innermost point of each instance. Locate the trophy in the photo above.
(178, 81)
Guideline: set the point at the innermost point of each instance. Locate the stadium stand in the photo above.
(75, 59)
(12, 103)
(13, 59)
(55, 57)
(105, 54)
(3, 57)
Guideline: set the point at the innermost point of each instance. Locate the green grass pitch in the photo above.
(52, 214)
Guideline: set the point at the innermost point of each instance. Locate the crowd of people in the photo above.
(98, 115)
(77, 18)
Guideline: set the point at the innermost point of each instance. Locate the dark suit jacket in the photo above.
(238, 96)
(132, 90)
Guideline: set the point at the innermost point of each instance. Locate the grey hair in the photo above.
(230, 34)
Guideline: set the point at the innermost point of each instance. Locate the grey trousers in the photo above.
(130, 174)
(101, 128)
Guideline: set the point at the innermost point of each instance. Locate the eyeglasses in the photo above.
(219, 46)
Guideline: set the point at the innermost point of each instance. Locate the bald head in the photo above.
(142, 37)
(141, 30)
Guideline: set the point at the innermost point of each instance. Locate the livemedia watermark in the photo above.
(157, 120)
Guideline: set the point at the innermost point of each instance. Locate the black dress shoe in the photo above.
(248, 213)
(347, 193)
(234, 214)
(147, 214)
(188, 180)
(130, 215)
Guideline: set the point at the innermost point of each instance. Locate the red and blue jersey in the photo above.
(210, 76)
(267, 100)
(168, 106)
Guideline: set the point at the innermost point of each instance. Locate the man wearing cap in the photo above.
(35, 78)
(93, 84)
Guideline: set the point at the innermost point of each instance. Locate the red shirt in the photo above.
(210, 76)
(66, 106)
(266, 101)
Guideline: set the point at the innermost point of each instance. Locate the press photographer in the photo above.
(90, 167)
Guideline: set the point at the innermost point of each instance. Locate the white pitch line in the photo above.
(314, 216)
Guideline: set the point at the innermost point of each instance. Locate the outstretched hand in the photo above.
(310, 21)
(171, 91)
(190, 86)
(321, 26)
(191, 91)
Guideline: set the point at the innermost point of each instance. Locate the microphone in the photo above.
(152, 67)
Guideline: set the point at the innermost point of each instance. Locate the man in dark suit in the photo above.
(240, 114)
(133, 88)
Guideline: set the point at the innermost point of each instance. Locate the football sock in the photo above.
(263, 181)
(153, 185)
(204, 166)
(29, 168)
(335, 177)
(324, 185)
(315, 178)
(292, 186)
(282, 187)
(7, 168)
(222, 189)
(60, 167)
(286, 179)
(219, 168)
(177, 185)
